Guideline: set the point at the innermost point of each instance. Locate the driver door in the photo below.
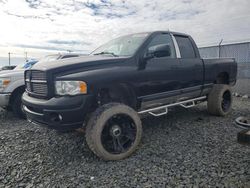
(161, 75)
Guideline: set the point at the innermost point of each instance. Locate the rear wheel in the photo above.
(220, 100)
(114, 131)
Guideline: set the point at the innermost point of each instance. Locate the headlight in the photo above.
(70, 87)
(4, 82)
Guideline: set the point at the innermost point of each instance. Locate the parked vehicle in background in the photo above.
(11, 67)
(27, 65)
(129, 76)
(12, 85)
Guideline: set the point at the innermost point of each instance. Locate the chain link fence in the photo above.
(241, 53)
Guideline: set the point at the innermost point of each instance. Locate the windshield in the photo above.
(122, 46)
(26, 65)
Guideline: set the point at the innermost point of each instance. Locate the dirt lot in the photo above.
(185, 148)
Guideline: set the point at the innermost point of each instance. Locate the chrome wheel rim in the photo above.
(118, 134)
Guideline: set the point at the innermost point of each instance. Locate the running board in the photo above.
(185, 104)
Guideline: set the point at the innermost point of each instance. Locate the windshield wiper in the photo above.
(110, 53)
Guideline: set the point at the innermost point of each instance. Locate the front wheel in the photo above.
(17, 105)
(114, 131)
(220, 100)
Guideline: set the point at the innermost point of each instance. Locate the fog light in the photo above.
(54, 117)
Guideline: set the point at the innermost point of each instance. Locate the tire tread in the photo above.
(93, 127)
(215, 99)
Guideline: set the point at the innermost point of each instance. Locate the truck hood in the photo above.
(78, 62)
(12, 73)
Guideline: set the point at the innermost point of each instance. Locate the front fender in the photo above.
(14, 85)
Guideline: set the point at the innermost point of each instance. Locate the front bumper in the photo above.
(60, 113)
(4, 99)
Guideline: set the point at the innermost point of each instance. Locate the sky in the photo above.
(41, 27)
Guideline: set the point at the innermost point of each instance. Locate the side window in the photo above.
(162, 39)
(185, 46)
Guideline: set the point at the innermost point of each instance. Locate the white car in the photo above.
(12, 84)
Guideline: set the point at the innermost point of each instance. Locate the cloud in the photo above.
(83, 25)
(41, 47)
(110, 10)
(69, 42)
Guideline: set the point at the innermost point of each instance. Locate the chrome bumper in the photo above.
(4, 99)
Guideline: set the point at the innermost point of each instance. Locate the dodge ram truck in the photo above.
(108, 91)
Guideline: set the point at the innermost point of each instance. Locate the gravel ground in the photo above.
(186, 148)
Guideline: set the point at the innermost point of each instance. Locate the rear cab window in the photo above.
(185, 46)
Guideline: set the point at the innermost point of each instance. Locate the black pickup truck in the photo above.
(107, 92)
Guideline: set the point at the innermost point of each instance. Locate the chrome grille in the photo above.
(35, 75)
(40, 88)
(36, 83)
(38, 75)
(27, 75)
(28, 87)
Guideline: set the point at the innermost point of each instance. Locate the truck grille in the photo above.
(36, 83)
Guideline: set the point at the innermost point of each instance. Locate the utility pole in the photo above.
(9, 58)
(26, 56)
(220, 47)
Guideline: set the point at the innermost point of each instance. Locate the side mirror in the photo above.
(148, 55)
(162, 50)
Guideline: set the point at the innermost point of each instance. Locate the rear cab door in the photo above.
(191, 66)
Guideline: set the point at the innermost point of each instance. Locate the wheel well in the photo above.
(119, 93)
(14, 93)
(222, 78)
